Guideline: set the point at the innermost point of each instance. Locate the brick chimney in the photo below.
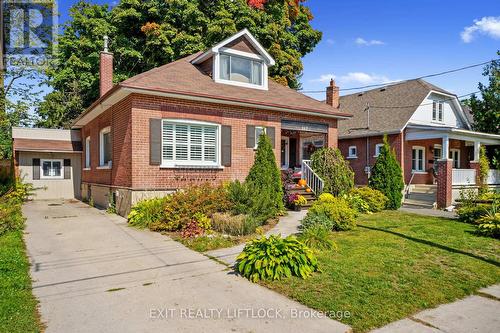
(105, 69)
(332, 95)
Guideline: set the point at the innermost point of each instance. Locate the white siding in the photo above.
(423, 114)
(52, 188)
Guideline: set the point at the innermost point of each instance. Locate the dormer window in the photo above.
(437, 111)
(238, 60)
(240, 69)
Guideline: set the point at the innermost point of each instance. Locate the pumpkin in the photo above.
(308, 190)
(302, 182)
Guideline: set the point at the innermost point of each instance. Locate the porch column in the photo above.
(444, 181)
(446, 148)
(474, 164)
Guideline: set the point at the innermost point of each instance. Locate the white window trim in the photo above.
(87, 154)
(103, 131)
(378, 147)
(437, 119)
(264, 129)
(349, 155)
(251, 56)
(458, 159)
(52, 160)
(423, 160)
(193, 164)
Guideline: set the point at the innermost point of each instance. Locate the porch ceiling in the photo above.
(430, 132)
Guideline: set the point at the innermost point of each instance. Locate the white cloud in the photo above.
(488, 25)
(330, 41)
(364, 42)
(363, 78)
(324, 78)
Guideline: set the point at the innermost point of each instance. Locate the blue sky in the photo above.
(365, 42)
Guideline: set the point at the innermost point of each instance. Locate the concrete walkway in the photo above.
(479, 313)
(287, 225)
(428, 212)
(93, 273)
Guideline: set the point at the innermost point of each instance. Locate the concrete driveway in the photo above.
(92, 273)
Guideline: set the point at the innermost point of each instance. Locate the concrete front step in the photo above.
(418, 203)
(422, 196)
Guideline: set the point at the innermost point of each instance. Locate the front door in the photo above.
(455, 156)
(285, 152)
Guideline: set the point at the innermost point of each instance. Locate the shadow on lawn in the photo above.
(439, 246)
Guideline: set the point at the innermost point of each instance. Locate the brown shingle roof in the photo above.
(47, 145)
(183, 77)
(390, 108)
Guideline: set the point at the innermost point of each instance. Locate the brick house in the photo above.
(429, 131)
(192, 121)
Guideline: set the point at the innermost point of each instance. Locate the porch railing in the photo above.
(315, 183)
(463, 176)
(494, 177)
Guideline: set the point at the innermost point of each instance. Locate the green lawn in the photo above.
(394, 265)
(18, 307)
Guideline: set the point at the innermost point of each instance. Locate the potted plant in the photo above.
(299, 202)
(290, 199)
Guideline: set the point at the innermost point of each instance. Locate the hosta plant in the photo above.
(275, 258)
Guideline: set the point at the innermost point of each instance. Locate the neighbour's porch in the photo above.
(447, 157)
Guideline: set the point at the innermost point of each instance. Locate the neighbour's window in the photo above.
(51, 169)
(378, 149)
(259, 130)
(190, 143)
(87, 152)
(417, 159)
(437, 110)
(240, 69)
(105, 147)
(353, 152)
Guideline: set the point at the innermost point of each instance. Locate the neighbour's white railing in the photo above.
(493, 177)
(314, 181)
(463, 176)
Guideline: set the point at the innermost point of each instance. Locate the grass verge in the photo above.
(18, 306)
(394, 265)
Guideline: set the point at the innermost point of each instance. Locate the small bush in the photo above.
(317, 238)
(357, 203)
(313, 220)
(145, 212)
(472, 213)
(375, 199)
(337, 211)
(11, 217)
(235, 225)
(192, 229)
(203, 221)
(275, 258)
(239, 194)
(180, 207)
(489, 225)
(326, 197)
(331, 166)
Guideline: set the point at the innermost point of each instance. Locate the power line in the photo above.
(399, 81)
(417, 105)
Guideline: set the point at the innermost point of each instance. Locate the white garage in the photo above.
(50, 159)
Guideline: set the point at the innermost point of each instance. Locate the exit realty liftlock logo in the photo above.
(29, 30)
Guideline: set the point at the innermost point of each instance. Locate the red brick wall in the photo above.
(444, 187)
(129, 122)
(358, 164)
(119, 118)
(105, 72)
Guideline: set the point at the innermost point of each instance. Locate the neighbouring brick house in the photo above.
(427, 128)
(192, 121)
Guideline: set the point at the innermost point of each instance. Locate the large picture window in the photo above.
(51, 169)
(240, 69)
(186, 143)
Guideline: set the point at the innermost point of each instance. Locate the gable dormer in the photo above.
(239, 60)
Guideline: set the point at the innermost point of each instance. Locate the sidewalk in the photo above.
(428, 211)
(477, 313)
(287, 225)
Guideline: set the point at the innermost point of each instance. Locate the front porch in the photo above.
(447, 157)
